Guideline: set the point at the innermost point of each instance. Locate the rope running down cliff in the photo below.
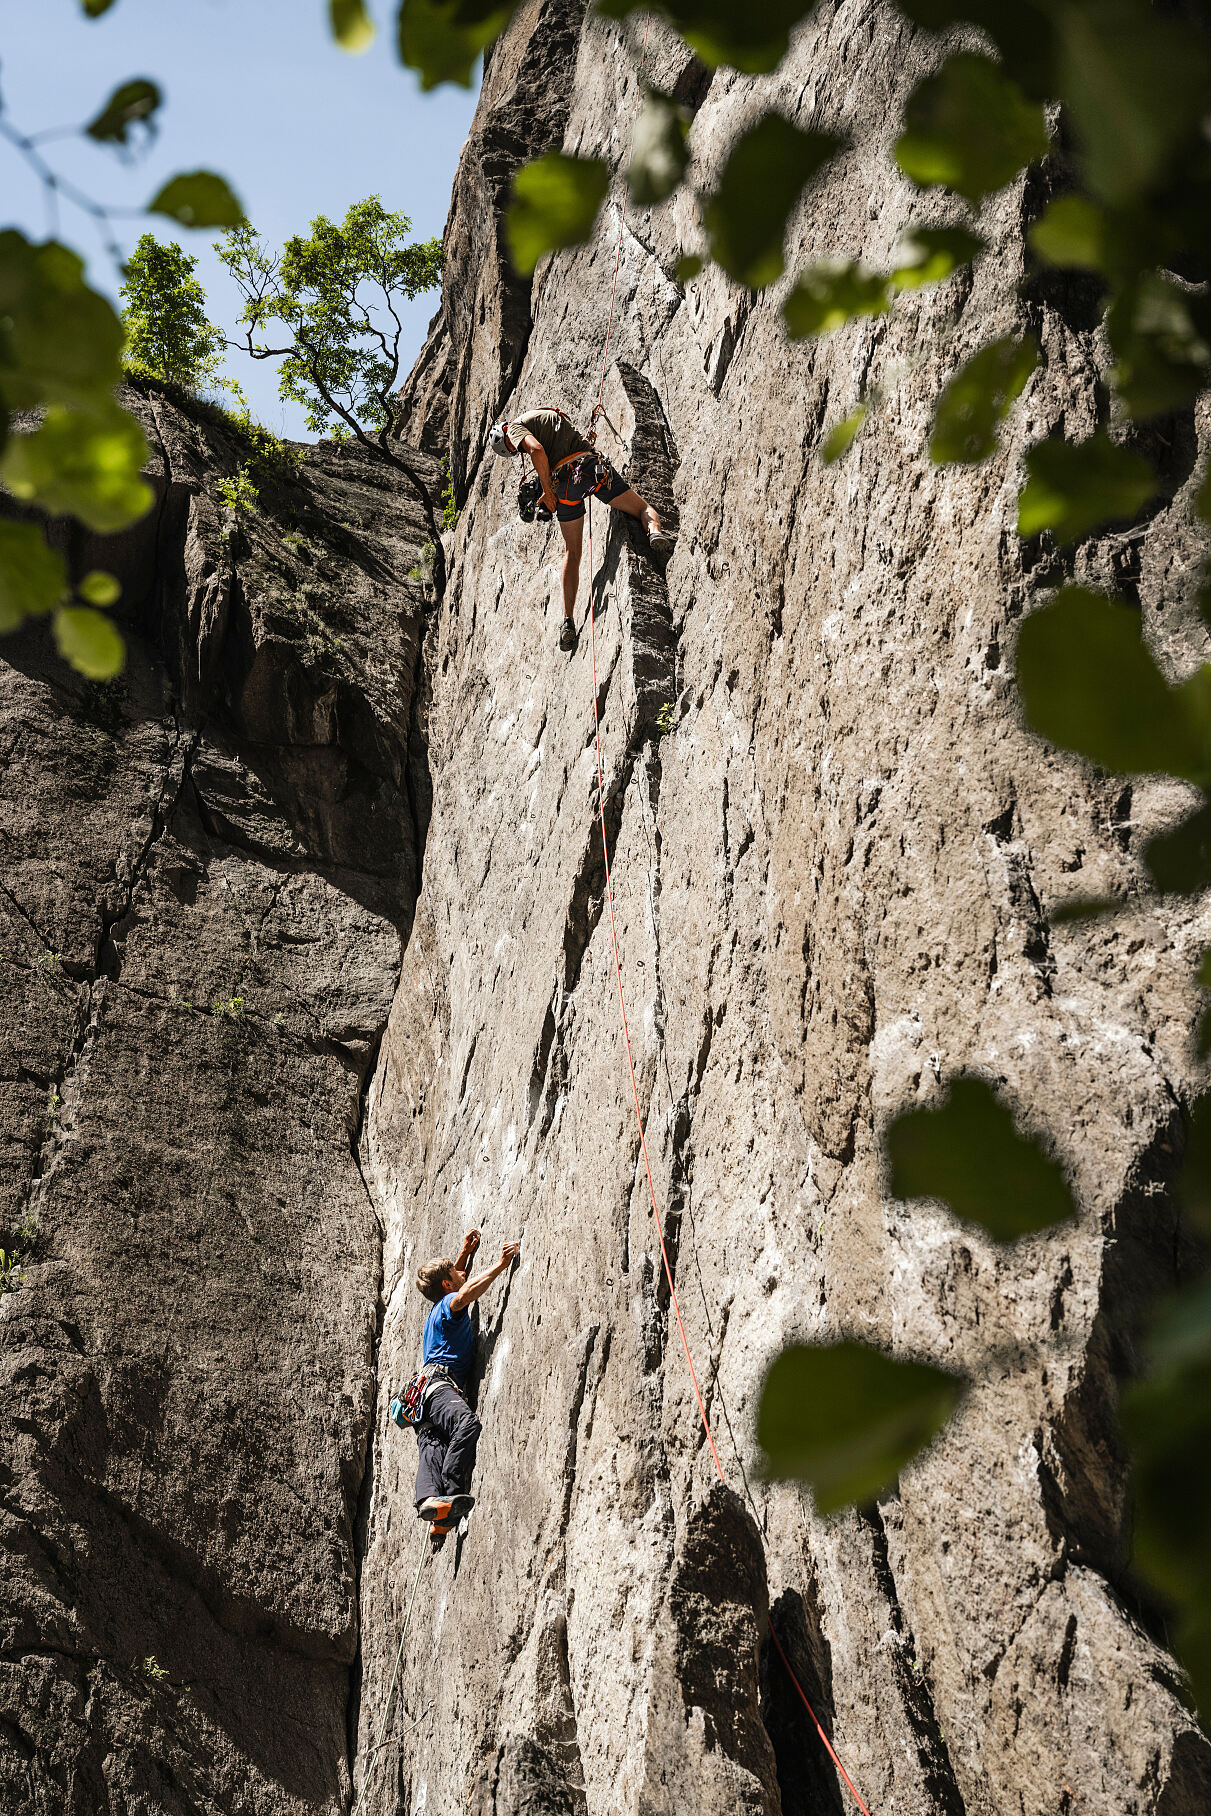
(605, 853)
(377, 1748)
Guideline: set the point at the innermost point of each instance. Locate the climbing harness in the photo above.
(408, 1408)
(609, 893)
(586, 472)
(377, 1748)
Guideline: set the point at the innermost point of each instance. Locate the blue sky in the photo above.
(255, 89)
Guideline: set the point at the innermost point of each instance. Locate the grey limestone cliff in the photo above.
(358, 814)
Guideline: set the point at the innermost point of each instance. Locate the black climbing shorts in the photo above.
(613, 488)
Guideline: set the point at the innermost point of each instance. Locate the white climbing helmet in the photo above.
(498, 441)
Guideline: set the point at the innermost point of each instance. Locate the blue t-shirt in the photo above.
(449, 1339)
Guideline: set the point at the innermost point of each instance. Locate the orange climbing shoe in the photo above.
(450, 1509)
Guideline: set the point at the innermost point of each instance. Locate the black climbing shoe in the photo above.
(567, 635)
(662, 544)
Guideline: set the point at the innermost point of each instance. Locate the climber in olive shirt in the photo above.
(551, 442)
(449, 1431)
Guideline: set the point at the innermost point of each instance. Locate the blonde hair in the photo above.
(432, 1276)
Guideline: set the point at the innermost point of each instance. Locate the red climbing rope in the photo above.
(664, 1253)
(626, 1035)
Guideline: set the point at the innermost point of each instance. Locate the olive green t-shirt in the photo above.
(558, 436)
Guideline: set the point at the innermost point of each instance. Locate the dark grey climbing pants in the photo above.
(446, 1442)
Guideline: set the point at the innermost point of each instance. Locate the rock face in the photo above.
(310, 967)
(209, 872)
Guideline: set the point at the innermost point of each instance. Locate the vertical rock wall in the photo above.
(207, 872)
(836, 857)
(307, 966)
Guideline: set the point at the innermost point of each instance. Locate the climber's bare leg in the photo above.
(635, 506)
(569, 576)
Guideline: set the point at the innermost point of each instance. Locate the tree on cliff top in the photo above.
(335, 293)
(168, 334)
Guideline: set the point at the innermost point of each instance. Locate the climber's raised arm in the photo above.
(470, 1244)
(474, 1289)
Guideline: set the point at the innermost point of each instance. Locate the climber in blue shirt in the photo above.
(449, 1430)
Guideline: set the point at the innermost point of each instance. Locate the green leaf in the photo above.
(830, 293)
(33, 578)
(94, 8)
(763, 178)
(555, 202)
(198, 198)
(1179, 862)
(977, 399)
(1076, 486)
(90, 641)
(658, 150)
(688, 267)
(1160, 335)
(752, 39)
(970, 128)
(1088, 683)
(1135, 86)
(927, 255)
(841, 435)
(100, 588)
(969, 1153)
(60, 342)
(444, 39)
(1071, 233)
(1167, 1422)
(133, 104)
(1022, 33)
(1202, 1037)
(847, 1419)
(83, 464)
(352, 26)
(1194, 1180)
(1202, 498)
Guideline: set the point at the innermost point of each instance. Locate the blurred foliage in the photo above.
(846, 1418)
(978, 397)
(841, 435)
(198, 198)
(61, 358)
(969, 128)
(1089, 683)
(969, 1153)
(352, 26)
(132, 104)
(763, 178)
(1124, 84)
(555, 202)
(1075, 487)
(659, 152)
